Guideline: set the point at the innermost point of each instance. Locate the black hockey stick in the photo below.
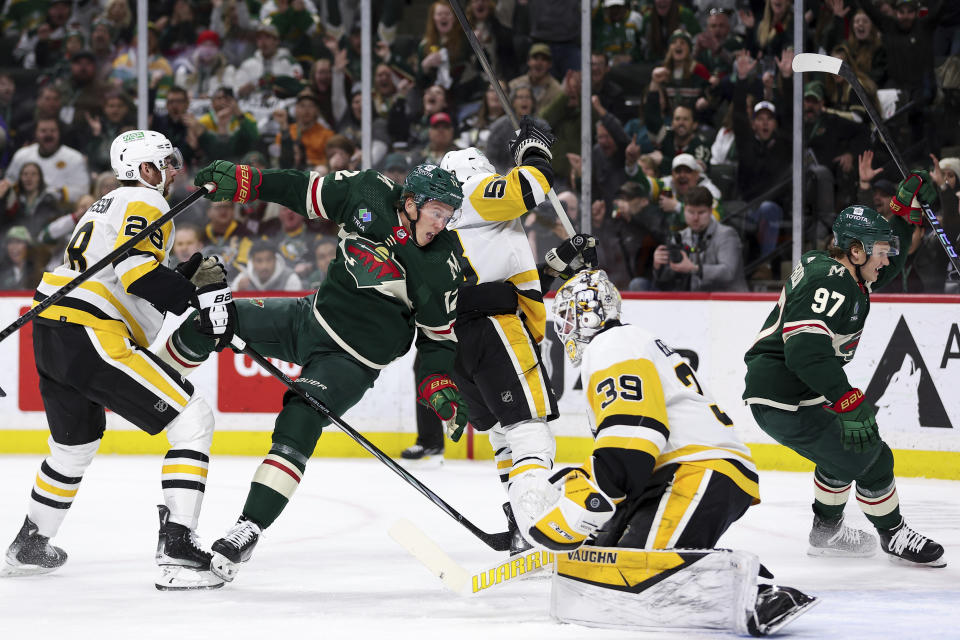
(58, 295)
(807, 62)
(504, 102)
(496, 541)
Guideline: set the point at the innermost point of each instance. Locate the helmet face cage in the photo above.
(582, 308)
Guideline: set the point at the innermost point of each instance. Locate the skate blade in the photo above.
(223, 567)
(828, 552)
(177, 578)
(790, 617)
(8, 570)
(939, 563)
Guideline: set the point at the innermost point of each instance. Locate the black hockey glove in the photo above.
(218, 314)
(573, 255)
(189, 266)
(533, 133)
(202, 272)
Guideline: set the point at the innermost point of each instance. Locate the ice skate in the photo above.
(183, 564)
(31, 554)
(234, 548)
(904, 545)
(834, 538)
(776, 607)
(422, 457)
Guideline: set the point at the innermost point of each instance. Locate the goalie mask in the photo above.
(582, 308)
(132, 148)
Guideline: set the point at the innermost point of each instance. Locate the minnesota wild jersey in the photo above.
(798, 357)
(495, 245)
(105, 301)
(381, 287)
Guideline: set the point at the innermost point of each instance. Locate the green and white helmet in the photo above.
(862, 224)
(429, 182)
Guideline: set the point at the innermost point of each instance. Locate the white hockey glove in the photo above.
(533, 133)
(572, 255)
(581, 509)
(218, 314)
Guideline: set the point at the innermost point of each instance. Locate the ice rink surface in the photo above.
(327, 568)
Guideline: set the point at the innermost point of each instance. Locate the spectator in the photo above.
(563, 116)
(774, 32)
(117, 117)
(178, 32)
(205, 69)
(476, 129)
(608, 155)
(834, 141)
(616, 32)
(102, 49)
(292, 241)
(685, 174)
(556, 23)
(440, 138)
(342, 153)
(231, 20)
(225, 236)
(56, 233)
(841, 99)
(19, 269)
(40, 48)
(64, 168)
(660, 21)
(609, 92)
(226, 132)
(119, 19)
(716, 47)
(865, 45)
(179, 125)
(327, 85)
(160, 71)
(637, 226)
(83, 90)
(681, 137)
(501, 130)
(351, 126)
(186, 241)
(764, 155)
(28, 202)
(443, 56)
(48, 105)
(705, 257)
(544, 86)
(266, 271)
(496, 39)
(306, 129)
(256, 76)
(396, 166)
(410, 128)
(324, 251)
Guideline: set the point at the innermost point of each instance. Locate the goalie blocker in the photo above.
(623, 588)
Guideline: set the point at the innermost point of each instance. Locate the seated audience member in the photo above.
(226, 132)
(187, 240)
(440, 138)
(544, 86)
(704, 256)
(643, 227)
(206, 69)
(256, 75)
(19, 268)
(307, 130)
(342, 153)
(292, 240)
(351, 126)
(396, 166)
(64, 168)
(324, 251)
(682, 138)
(226, 237)
(266, 271)
(834, 140)
(686, 173)
(27, 201)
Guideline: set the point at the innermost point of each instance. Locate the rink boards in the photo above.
(908, 363)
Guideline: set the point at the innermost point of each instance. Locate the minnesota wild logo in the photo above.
(845, 346)
(371, 264)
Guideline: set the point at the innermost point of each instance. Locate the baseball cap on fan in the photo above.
(686, 160)
(765, 105)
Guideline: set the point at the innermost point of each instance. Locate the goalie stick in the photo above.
(454, 576)
(59, 294)
(496, 541)
(812, 62)
(504, 102)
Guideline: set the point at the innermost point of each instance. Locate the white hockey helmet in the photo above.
(132, 148)
(582, 308)
(466, 163)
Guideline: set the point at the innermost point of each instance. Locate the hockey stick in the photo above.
(505, 103)
(453, 575)
(59, 294)
(809, 62)
(496, 541)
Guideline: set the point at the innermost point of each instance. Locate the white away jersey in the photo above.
(642, 395)
(102, 301)
(495, 245)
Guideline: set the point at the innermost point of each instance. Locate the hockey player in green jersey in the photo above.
(395, 275)
(800, 395)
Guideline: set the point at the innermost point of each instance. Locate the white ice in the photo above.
(327, 569)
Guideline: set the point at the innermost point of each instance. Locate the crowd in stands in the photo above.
(692, 104)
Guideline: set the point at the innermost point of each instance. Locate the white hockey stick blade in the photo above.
(454, 576)
(805, 62)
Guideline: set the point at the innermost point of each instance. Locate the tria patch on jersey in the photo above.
(362, 219)
(370, 264)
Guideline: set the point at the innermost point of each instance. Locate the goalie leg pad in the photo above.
(624, 588)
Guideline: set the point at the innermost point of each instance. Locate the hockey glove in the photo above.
(235, 182)
(218, 314)
(189, 266)
(211, 271)
(533, 133)
(580, 510)
(857, 420)
(572, 255)
(440, 394)
(915, 188)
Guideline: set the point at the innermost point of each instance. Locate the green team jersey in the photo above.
(381, 288)
(798, 357)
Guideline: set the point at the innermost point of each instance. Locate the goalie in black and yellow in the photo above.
(667, 472)
(392, 284)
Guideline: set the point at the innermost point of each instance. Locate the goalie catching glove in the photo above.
(581, 508)
(857, 419)
(235, 182)
(440, 394)
(572, 255)
(915, 188)
(533, 133)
